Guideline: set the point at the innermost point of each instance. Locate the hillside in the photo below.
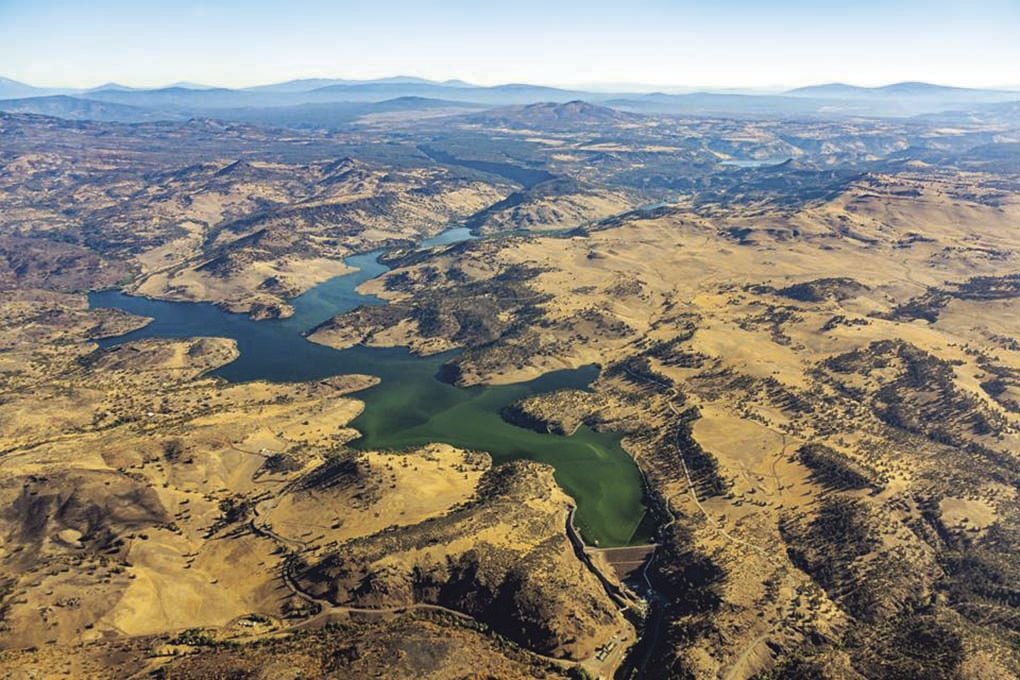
(553, 116)
(78, 108)
(547, 389)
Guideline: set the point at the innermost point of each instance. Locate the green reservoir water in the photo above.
(410, 406)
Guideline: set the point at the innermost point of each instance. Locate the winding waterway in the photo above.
(410, 406)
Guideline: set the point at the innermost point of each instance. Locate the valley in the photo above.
(410, 406)
(512, 389)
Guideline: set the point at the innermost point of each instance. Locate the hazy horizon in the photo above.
(735, 44)
(596, 86)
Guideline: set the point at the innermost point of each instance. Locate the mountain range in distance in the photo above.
(11, 89)
(330, 102)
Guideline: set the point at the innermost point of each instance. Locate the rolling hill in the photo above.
(325, 102)
(906, 90)
(78, 108)
(552, 116)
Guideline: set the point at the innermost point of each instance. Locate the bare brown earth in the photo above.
(515, 578)
(141, 500)
(400, 646)
(553, 205)
(246, 234)
(816, 366)
(839, 374)
(283, 250)
(148, 512)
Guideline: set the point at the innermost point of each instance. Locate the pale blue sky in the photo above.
(659, 42)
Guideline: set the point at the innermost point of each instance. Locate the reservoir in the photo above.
(410, 406)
